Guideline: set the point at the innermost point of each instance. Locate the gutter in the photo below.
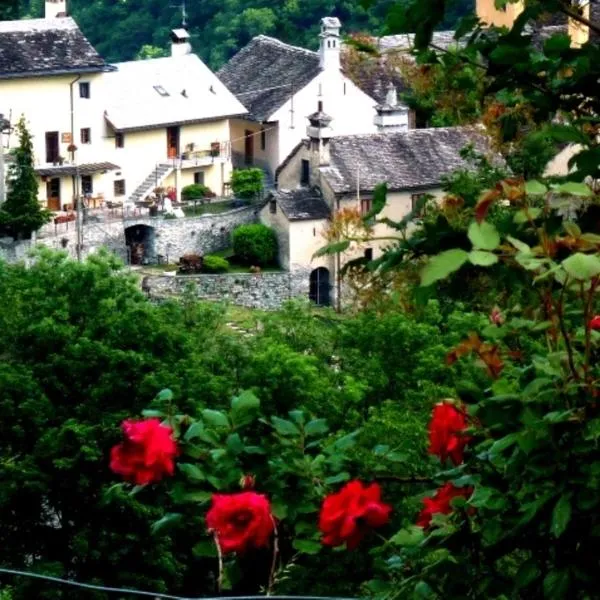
(53, 72)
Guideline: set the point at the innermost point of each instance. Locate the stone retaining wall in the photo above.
(266, 291)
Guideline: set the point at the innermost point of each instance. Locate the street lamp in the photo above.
(4, 128)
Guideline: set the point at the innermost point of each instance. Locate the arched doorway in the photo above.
(319, 287)
(141, 244)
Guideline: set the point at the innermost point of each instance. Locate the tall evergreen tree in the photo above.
(22, 214)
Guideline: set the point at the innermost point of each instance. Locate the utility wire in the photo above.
(155, 595)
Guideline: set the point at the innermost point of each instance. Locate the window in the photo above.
(86, 135)
(414, 204)
(119, 186)
(119, 140)
(263, 139)
(84, 89)
(369, 253)
(199, 177)
(272, 207)
(366, 204)
(305, 172)
(87, 186)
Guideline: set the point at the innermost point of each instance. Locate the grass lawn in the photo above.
(210, 208)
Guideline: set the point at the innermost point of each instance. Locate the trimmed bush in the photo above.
(247, 183)
(195, 191)
(255, 244)
(215, 264)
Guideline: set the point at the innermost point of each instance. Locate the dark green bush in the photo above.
(195, 191)
(247, 183)
(215, 264)
(255, 244)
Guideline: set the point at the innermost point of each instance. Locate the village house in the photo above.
(327, 173)
(113, 133)
(280, 85)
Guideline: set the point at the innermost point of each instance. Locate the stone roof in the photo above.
(404, 42)
(302, 204)
(266, 72)
(407, 160)
(83, 169)
(160, 92)
(36, 47)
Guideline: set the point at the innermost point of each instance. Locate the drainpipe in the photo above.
(76, 176)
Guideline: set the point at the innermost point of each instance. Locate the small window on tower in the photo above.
(272, 206)
(305, 172)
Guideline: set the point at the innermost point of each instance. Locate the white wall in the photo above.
(352, 110)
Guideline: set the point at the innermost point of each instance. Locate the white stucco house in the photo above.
(281, 85)
(112, 133)
(327, 173)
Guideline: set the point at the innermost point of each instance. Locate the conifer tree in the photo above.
(22, 214)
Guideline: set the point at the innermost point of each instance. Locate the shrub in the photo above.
(195, 191)
(255, 244)
(247, 183)
(215, 264)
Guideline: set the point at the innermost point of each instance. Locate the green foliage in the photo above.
(255, 244)
(247, 183)
(215, 264)
(21, 213)
(194, 191)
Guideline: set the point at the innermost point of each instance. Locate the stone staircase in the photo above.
(154, 179)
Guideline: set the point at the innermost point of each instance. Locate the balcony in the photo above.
(201, 158)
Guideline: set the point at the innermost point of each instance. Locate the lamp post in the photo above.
(4, 128)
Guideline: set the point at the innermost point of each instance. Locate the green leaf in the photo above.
(519, 245)
(333, 248)
(216, 418)
(556, 585)
(244, 408)
(284, 427)
(575, 188)
(484, 235)
(168, 521)
(153, 413)
(535, 188)
(523, 216)
(235, 444)
(481, 258)
(165, 395)
(582, 266)
(528, 572)
(572, 229)
(561, 515)
(205, 549)
(411, 536)
(344, 443)
(339, 478)
(297, 417)
(442, 265)
(279, 510)
(316, 427)
(193, 431)
(307, 546)
(191, 471)
(378, 203)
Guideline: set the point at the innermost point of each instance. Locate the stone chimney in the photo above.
(330, 42)
(55, 8)
(391, 116)
(180, 42)
(319, 133)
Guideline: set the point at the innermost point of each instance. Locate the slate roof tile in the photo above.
(265, 73)
(413, 159)
(33, 47)
(302, 204)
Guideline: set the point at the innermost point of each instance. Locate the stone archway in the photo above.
(320, 288)
(141, 244)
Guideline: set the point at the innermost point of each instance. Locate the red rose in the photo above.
(440, 503)
(349, 514)
(240, 521)
(147, 454)
(595, 322)
(446, 427)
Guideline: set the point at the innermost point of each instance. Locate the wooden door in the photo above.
(53, 193)
(172, 142)
(52, 148)
(248, 147)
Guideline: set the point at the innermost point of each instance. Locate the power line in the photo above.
(155, 595)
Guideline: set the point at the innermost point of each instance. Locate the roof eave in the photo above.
(55, 72)
(171, 123)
